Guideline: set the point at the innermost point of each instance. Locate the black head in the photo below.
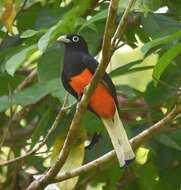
(74, 42)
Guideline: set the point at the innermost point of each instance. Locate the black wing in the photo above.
(66, 85)
(92, 64)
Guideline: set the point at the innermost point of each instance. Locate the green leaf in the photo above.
(56, 89)
(146, 6)
(15, 61)
(157, 95)
(159, 41)
(175, 7)
(25, 97)
(124, 69)
(164, 60)
(126, 90)
(168, 162)
(65, 25)
(89, 120)
(29, 33)
(82, 6)
(148, 177)
(46, 38)
(49, 66)
(4, 102)
(99, 16)
(166, 140)
(6, 79)
(30, 95)
(93, 40)
(27, 19)
(42, 124)
(30, 160)
(138, 69)
(158, 25)
(46, 18)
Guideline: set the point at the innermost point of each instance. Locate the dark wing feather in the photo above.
(92, 64)
(66, 85)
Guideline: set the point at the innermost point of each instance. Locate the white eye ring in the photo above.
(75, 39)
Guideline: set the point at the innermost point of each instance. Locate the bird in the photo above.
(78, 69)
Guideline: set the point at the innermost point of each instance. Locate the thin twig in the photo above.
(3, 38)
(167, 85)
(134, 22)
(70, 106)
(173, 129)
(174, 98)
(28, 80)
(23, 71)
(23, 132)
(92, 5)
(59, 116)
(21, 9)
(122, 34)
(120, 46)
(121, 23)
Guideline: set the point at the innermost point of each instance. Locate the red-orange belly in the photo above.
(101, 101)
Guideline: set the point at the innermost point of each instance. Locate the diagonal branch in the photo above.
(27, 81)
(49, 176)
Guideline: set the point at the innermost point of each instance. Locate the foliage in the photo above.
(30, 102)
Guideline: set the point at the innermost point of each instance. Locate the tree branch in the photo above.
(22, 133)
(28, 80)
(52, 172)
(135, 142)
(121, 23)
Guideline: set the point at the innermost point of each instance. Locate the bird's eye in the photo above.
(75, 39)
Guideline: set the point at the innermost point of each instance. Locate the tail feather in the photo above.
(115, 141)
(119, 140)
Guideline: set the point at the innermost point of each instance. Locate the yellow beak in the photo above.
(63, 39)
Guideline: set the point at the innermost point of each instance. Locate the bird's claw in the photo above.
(85, 89)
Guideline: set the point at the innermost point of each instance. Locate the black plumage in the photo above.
(78, 69)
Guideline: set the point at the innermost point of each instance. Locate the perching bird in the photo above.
(78, 70)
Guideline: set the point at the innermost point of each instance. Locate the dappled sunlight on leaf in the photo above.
(142, 155)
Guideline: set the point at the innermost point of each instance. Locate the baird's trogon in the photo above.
(78, 70)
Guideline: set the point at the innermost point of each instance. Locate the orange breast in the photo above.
(101, 101)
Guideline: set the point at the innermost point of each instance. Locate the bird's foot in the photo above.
(94, 140)
(85, 89)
